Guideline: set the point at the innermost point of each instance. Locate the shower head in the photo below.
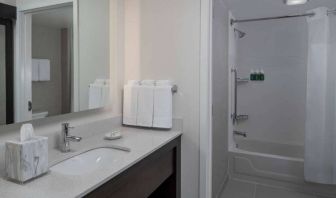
(239, 34)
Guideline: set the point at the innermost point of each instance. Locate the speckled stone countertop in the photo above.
(142, 143)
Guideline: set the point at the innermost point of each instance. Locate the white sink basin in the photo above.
(87, 162)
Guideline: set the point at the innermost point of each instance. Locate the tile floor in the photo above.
(241, 189)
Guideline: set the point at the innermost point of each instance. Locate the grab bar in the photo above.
(235, 117)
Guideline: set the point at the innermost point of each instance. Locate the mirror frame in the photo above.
(7, 15)
(23, 54)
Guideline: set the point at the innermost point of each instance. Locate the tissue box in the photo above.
(26, 160)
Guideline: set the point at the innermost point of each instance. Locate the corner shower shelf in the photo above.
(243, 80)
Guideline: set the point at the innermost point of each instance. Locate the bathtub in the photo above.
(272, 163)
(271, 148)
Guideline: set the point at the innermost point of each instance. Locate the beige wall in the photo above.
(162, 40)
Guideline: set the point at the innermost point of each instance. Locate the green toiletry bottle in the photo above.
(262, 75)
(257, 75)
(252, 75)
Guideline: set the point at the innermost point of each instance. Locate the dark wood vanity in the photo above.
(156, 176)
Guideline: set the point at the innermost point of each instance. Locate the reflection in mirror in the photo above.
(52, 62)
(94, 53)
(62, 64)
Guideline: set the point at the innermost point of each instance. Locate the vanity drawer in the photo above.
(158, 175)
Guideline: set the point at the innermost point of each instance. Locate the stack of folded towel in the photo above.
(99, 93)
(148, 103)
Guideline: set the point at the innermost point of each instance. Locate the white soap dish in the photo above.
(113, 135)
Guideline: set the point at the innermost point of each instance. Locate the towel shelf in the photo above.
(235, 116)
(243, 80)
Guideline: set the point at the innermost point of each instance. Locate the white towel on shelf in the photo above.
(95, 96)
(130, 105)
(102, 81)
(105, 95)
(44, 70)
(146, 103)
(163, 105)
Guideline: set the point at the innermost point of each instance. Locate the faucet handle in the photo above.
(66, 125)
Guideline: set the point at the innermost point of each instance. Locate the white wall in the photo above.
(162, 41)
(276, 107)
(220, 96)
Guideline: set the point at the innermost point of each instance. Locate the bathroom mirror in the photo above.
(62, 65)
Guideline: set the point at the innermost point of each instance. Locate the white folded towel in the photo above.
(105, 99)
(148, 82)
(145, 103)
(44, 70)
(102, 81)
(95, 96)
(130, 106)
(163, 105)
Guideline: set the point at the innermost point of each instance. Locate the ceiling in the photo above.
(246, 9)
(54, 18)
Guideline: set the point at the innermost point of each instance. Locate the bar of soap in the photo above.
(26, 160)
(113, 135)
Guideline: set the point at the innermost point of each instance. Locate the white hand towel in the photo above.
(146, 103)
(35, 70)
(95, 96)
(163, 105)
(101, 81)
(148, 82)
(44, 70)
(105, 99)
(130, 106)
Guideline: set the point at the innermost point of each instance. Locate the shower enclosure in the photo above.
(279, 125)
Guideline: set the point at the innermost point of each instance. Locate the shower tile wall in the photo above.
(276, 106)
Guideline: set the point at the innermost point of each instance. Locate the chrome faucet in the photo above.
(66, 138)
